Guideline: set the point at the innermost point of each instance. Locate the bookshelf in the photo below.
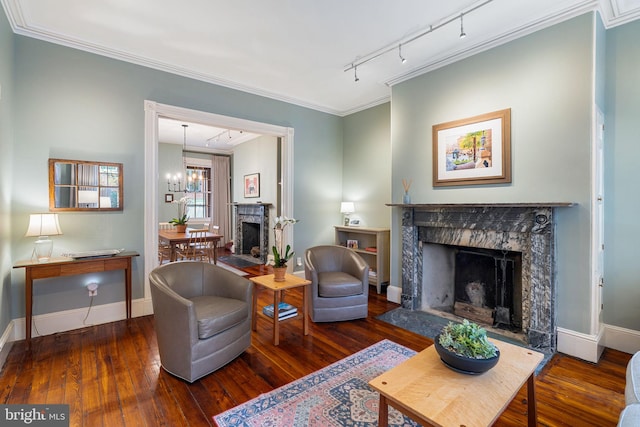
(368, 238)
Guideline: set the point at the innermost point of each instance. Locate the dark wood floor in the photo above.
(110, 375)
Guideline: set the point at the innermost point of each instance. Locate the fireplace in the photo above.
(517, 238)
(252, 226)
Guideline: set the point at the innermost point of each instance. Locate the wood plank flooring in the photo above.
(110, 374)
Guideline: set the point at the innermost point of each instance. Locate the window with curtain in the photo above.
(198, 194)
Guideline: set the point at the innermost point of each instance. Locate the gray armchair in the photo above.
(202, 317)
(339, 283)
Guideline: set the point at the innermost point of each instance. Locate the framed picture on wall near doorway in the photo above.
(252, 185)
(476, 150)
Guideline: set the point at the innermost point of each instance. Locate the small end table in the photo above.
(290, 282)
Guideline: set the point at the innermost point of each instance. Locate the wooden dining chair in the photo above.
(198, 248)
(164, 248)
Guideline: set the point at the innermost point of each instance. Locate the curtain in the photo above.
(222, 197)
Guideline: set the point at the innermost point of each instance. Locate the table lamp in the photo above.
(347, 208)
(43, 225)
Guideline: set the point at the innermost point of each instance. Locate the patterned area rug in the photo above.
(338, 395)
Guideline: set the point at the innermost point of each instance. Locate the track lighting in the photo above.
(355, 74)
(402, 59)
(398, 44)
(462, 33)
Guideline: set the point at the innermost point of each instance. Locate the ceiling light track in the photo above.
(398, 45)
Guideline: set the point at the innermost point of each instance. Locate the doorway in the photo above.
(153, 111)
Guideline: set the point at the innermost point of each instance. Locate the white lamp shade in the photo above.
(347, 207)
(43, 224)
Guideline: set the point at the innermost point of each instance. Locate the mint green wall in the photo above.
(546, 80)
(169, 161)
(6, 168)
(73, 104)
(622, 203)
(367, 169)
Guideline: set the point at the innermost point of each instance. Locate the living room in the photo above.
(59, 102)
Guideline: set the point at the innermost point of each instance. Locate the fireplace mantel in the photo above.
(523, 227)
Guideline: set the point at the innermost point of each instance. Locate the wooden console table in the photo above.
(63, 266)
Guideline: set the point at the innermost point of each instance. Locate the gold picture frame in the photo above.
(472, 151)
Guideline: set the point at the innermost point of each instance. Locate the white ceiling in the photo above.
(296, 50)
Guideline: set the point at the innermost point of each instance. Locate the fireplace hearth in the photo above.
(524, 233)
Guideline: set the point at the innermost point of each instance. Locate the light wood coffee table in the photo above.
(290, 282)
(424, 389)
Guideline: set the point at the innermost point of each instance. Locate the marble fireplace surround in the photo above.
(522, 227)
(253, 213)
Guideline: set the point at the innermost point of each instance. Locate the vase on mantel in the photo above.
(406, 199)
(279, 273)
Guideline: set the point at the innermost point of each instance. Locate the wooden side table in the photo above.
(290, 282)
(424, 389)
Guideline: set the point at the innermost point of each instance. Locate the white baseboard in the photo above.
(622, 339)
(583, 346)
(62, 321)
(6, 344)
(394, 294)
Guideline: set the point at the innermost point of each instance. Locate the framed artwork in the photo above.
(168, 198)
(252, 185)
(472, 151)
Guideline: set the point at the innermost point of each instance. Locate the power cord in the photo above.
(88, 311)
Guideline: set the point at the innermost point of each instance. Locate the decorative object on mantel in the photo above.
(42, 226)
(406, 199)
(180, 222)
(280, 258)
(476, 150)
(464, 347)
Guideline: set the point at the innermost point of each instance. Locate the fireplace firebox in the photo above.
(252, 225)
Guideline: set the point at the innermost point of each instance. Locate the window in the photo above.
(198, 192)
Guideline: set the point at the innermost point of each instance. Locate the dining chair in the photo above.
(164, 248)
(198, 248)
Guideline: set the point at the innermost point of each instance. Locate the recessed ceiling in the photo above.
(297, 50)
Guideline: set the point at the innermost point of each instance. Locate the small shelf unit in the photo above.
(367, 238)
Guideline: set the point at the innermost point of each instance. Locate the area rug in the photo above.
(338, 395)
(240, 261)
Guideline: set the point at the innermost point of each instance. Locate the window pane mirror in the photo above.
(78, 185)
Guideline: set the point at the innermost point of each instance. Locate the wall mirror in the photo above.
(78, 185)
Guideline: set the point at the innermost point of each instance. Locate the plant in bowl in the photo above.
(464, 347)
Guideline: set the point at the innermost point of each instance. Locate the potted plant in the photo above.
(280, 258)
(180, 222)
(464, 347)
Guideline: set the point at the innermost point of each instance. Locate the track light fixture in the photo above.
(462, 33)
(398, 44)
(402, 59)
(355, 74)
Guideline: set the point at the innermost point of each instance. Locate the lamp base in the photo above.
(42, 249)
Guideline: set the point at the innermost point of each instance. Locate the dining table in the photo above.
(174, 238)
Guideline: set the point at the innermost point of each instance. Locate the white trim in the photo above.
(394, 294)
(6, 342)
(153, 111)
(583, 346)
(622, 339)
(68, 320)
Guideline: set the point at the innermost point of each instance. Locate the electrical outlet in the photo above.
(93, 289)
(299, 261)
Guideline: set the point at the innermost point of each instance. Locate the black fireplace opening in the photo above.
(250, 238)
(488, 287)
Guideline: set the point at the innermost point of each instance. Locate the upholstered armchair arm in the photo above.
(355, 266)
(311, 272)
(173, 315)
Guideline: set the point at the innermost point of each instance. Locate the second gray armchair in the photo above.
(339, 283)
